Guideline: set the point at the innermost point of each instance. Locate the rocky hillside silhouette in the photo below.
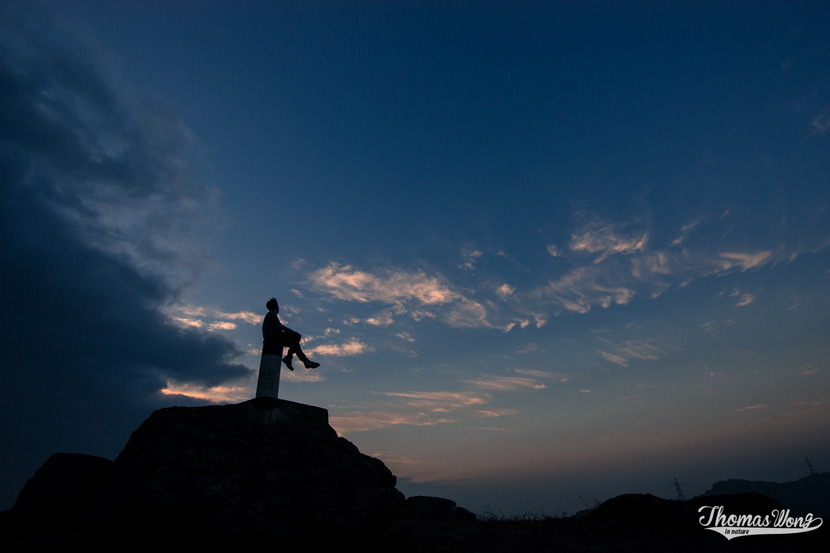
(261, 471)
(273, 473)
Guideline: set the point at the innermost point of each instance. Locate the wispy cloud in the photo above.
(352, 347)
(347, 283)
(685, 230)
(754, 407)
(821, 122)
(585, 287)
(528, 348)
(613, 358)
(507, 383)
(744, 260)
(742, 298)
(407, 293)
(209, 318)
(627, 267)
(408, 408)
(490, 413)
(604, 264)
(327, 333)
(302, 376)
(440, 401)
(745, 299)
(505, 290)
(527, 379)
(624, 352)
(606, 240)
(427, 408)
(213, 394)
(544, 375)
(469, 258)
(361, 421)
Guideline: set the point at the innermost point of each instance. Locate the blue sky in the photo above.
(542, 250)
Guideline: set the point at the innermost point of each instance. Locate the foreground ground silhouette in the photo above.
(272, 473)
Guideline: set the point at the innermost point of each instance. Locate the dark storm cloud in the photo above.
(96, 212)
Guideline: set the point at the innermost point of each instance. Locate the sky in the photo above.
(545, 252)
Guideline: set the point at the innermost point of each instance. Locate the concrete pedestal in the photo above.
(268, 384)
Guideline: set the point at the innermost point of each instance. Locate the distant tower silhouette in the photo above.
(810, 465)
(679, 491)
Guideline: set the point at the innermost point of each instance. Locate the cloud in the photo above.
(209, 318)
(469, 258)
(743, 260)
(406, 293)
(745, 299)
(613, 358)
(302, 376)
(212, 394)
(467, 314)
(585, 287)
(381, 319)
(346, 283)
(352, 347)
(624, 264)
(440, 401)
(245, 316)
(544, 375)
(428, 408)
(508, 383)
(606, 240)
(327, 333)
(505, 290)
(385, 317)
(751, 407)
(821, 122)
(361, 421)
(685, 230)
(490, 413)
(623, 352)
(626, 268)
(99, 228)
(221, 325)
(408, 408)
(528, 348)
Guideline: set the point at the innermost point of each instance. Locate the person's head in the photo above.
(272, 305)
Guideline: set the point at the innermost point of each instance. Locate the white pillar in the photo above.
(268, 384)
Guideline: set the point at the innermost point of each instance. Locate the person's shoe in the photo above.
(287, 360)
(309, 364)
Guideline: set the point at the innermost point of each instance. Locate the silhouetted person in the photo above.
(275, 335)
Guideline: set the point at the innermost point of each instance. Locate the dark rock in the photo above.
(435, 508)
(644, 511)
(248, 473)
(270, 468)
(66, 486)
(425, 523)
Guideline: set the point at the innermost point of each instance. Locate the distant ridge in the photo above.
(810, 494)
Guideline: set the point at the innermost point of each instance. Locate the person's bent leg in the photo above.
(294, 348)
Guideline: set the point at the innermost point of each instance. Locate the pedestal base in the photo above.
(268, 384)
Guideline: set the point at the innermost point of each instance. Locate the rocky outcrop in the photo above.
(66, 484)
(260, 470)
